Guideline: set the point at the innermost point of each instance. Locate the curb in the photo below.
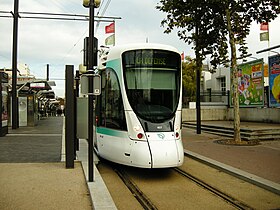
(251, 178)
(100, 196)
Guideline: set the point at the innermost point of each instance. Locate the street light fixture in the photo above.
(86, 3)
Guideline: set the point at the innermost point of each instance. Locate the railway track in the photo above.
(194, 186)
(146, 203)
(227, 198)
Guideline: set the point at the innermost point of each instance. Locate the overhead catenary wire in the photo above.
(102, 14)
(70, 50)
(60, 16)
(100, 7)
(60, 5)
(1, 11)
(54, 14)
(65, 16)
(6, 16)
(6, 12)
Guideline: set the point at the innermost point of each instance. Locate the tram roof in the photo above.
(116, 51)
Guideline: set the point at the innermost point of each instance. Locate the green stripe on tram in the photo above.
(111, 132)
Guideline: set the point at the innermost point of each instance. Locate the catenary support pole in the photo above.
(15, 120)
(48, 72)
(69, 117)
(198, 70)
(77, 90)
(90, 90)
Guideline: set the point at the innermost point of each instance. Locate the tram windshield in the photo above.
(152, 80)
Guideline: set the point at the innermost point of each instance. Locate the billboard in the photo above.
(274, 80)
(250, 84)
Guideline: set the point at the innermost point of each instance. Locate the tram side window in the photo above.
(112, 111)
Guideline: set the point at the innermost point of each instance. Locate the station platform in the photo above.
(32, 175)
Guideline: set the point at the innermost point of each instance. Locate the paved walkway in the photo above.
(31, 174)
(41, 143)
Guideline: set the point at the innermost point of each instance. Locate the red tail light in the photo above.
(96, 119)
(139, 135)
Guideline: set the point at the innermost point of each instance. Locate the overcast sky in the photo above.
(59, 43)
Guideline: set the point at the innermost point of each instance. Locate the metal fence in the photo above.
(216, 96)
(219, 98)
(210, 98)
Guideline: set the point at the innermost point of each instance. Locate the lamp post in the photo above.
(91, 4)
(14, 75)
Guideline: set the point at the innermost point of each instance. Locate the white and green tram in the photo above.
(138, 114)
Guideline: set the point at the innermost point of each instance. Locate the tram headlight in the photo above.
(137, 128)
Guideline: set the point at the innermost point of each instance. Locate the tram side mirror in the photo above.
(96, 84)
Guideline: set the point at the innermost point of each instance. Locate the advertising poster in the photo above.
(4, 108)
(250, 84)
(274, 80)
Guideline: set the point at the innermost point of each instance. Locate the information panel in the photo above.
(274, 80)
(250, 84)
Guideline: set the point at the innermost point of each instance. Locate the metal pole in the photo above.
(69, 117)
(48, 72)
(90, 90)
(198, 67)
(77, 79)
(14, 67)
(268, 49)
(198, 110)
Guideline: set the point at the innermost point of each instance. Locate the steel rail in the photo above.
(215, 191)
(145, 202)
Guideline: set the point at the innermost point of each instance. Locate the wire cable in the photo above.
(102, 14)
(60, 6)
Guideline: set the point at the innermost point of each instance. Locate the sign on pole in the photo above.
(96, 84)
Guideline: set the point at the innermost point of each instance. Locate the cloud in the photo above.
(141, 20)
(48, 42)
(60, 42)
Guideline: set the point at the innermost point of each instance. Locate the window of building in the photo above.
(223, 84)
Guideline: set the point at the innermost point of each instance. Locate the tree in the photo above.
(189, 78)
(193, 16)
(217, 24)
(238, 16)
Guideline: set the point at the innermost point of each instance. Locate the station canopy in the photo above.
(42, 88)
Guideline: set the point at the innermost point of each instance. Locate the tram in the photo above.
(139, 111)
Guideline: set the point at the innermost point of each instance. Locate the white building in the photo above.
(23, 69)
(220, 80)
(214, 86)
